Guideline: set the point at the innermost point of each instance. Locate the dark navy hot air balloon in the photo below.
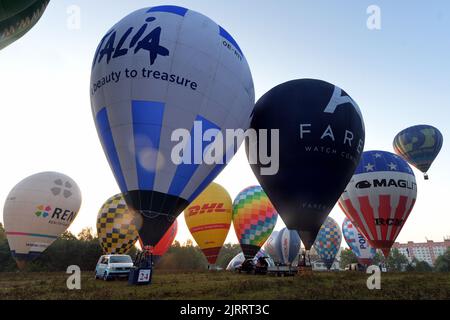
(419, 145)
(321, 139)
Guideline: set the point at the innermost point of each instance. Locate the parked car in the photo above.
(113, 266)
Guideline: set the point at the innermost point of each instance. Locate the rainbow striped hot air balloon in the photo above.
(209, 219)
(254, 218)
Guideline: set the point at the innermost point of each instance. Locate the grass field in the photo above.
(225, 285)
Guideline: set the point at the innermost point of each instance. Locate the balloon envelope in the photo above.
(363, 251)
(166, 83)
(419, 145)
(380, 197)
(115, 228)
(37, 211)
(164, 244)
(287, 246)
(209, 219)
(269, 246)
(328, 241)
(239, 259)
(254, 218)
(17, 17)
(321, 139)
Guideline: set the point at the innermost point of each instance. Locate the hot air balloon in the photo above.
(166, 84)
(287, 246)
(254, 218)
(209, 219)
(419, 145)
(37, 211)
(320, 140)
(164, 244)
(380, 197)
(17, 17)
(115, 228)
(363, 251)
(328, 241)
(269, 246)
(239, 259)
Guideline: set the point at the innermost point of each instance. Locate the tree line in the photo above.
(84, 251)
(398, 262)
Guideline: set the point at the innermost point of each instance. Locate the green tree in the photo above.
(418, 266)
(86, 235)
(2, 232)
(396, 261)
(228, 252)
(347, 257)
(442, 263)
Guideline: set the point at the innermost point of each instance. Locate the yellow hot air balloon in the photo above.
(115, 228)
(208, 218)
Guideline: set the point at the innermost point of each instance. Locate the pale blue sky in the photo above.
(399, 76)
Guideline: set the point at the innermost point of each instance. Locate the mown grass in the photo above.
(225, 285)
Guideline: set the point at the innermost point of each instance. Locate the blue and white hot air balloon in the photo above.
(166, 83)
(287, 246)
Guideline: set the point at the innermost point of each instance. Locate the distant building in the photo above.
(424, 251)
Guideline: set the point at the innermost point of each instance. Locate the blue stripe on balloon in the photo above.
(211, 176)
(230, 39)
(147, 123)
(170, 9)
(185, 171)
(108, 144)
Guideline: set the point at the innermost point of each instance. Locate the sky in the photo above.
(398, 74)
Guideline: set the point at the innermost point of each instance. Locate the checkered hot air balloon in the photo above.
(115, 228)
(328, 241)
(254, 218)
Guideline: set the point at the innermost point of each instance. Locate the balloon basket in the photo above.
(142, 271)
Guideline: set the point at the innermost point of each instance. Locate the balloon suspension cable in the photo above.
(151, 214)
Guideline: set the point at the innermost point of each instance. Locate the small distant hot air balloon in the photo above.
(363, 251)
(254, 218)
(159, 74)
(269, 246)
(328, 241)
(239, 259)
(321, 139)
(17, 17)
(419, 145)
(287, 246)
(209, 219)
(380, 197)
(115, 227)
(37, 211)
(164, 244)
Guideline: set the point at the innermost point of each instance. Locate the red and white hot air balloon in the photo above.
(380, 197)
